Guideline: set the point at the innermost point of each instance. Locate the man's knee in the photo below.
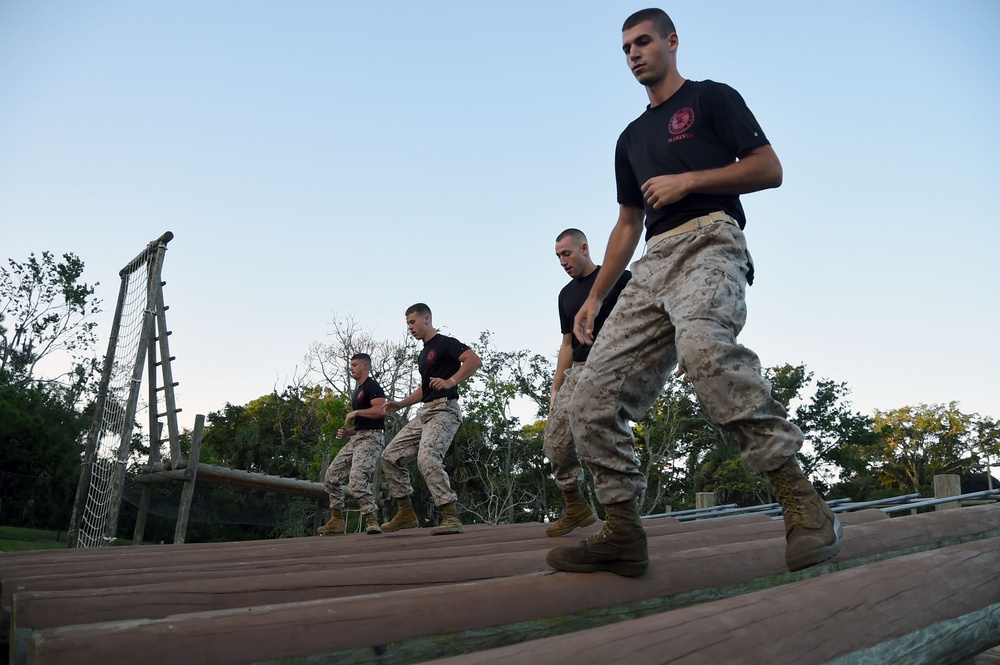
(428, 462)
(390, 457)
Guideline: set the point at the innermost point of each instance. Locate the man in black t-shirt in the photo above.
(573, 253)
(680, 168)
(444, 363)
(356, 461)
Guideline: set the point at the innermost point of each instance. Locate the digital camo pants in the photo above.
(354, 464)
(686, 298)
(559, 447)
(426, 438)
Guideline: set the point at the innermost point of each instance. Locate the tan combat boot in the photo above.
(371, 524)
(405, 517)
(578, 513)
(812, 531)
(449, 521)
(620, 547)
(335, 525)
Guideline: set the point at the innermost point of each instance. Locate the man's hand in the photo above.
(663, 190)
(390, 407)
(583, 324)
(442, 384)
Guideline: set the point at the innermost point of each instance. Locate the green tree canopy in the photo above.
(47, 365)
(45, 311)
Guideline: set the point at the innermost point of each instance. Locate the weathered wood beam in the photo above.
(165, 562)
(939, 606)
(220, 475)
(403, 624)
(247, 585)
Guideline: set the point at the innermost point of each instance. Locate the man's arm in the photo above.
(374, 411)
(411, 399)
(621, 246)
(757, 169)
(470, 363)
(564, 360)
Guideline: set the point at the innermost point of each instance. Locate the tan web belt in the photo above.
(690, 225)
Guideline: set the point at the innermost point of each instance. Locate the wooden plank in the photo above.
(261, 553)
(340, 551)
(551, 600)
(221, 475)
(83, 562)
(885, 611)
(247, 585)
(686, 535)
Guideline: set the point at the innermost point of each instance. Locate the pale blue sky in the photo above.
(321, 157)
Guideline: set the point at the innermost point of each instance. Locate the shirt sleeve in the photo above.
(455, 348)
(732, 121)
(375, 391)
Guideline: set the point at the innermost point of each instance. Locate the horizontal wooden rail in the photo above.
(402, 625)
(933, 607)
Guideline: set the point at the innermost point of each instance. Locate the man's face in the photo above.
(358, 366)
(418, 324)
(647, 54)
(572, 256)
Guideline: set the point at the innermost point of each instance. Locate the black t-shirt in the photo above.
(362, 399)
(704, 125)
(439, 358)
(571, 299)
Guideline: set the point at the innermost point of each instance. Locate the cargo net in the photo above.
(115, 429)
(287, 514)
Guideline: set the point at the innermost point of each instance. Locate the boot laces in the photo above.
(790, 499)
(605, 533)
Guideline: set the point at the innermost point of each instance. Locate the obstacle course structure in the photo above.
(138, 341)
(138, 345)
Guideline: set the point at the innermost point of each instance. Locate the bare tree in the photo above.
(394, 363)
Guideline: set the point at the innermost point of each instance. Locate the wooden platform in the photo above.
(903, 589)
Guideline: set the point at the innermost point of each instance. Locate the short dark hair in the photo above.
(575, 234)
(664, 26)
(364, 357)
(419, 309)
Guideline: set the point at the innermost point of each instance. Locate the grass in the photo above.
(17, 539)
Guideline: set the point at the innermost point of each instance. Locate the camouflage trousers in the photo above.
(686, 300)
(559, 447)
(354, 464)
(426, 439)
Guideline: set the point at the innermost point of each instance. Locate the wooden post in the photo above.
(190, 475)
(947, 484)
(140, 520)
(704, 500)
(320, 503)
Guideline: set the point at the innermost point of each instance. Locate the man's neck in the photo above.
(588, 271)
(665, 89)
(429, 336)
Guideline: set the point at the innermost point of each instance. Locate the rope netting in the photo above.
(115, 429)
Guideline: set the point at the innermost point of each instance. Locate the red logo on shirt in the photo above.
(682, 121)
(361, 396)
(431, 355)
